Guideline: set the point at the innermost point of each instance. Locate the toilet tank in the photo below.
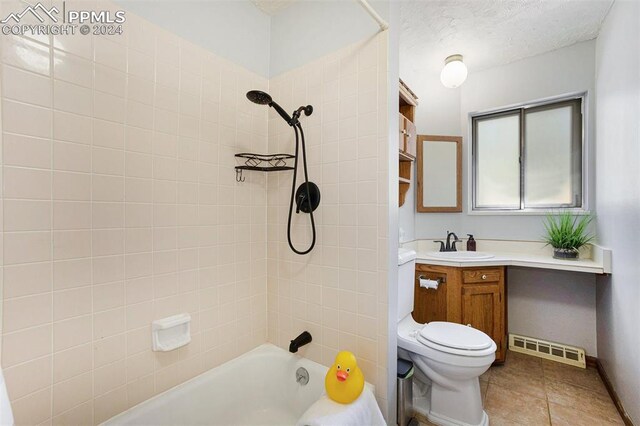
(406, 277)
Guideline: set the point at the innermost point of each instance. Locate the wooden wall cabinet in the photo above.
(469, 296)
(407, 139)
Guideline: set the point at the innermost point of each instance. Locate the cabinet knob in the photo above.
(484, 277)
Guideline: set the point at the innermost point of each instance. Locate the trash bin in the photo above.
(405, 393)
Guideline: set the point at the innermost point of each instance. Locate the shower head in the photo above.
(262, 98)
(259, 97)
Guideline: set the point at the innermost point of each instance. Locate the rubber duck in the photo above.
(344, 381)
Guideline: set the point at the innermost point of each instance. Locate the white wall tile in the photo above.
(73, 69)
(345, 263)
(120, 206)
(26, 86)
(69, 97)
(37, 60)
(25, 119)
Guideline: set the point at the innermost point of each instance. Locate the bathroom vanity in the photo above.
(472, 296)
(472, 288)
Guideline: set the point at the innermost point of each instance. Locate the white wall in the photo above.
(233, 29)
(309, 29)
(618, 204)
(566, 70)
(532, 311)
(555, 305)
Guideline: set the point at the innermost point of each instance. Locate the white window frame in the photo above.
(584, 97)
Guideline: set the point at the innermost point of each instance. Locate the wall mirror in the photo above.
(439, 174)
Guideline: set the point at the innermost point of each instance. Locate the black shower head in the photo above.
(262, 98)
(259, 97)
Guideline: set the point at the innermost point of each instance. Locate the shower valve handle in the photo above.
(302, 198)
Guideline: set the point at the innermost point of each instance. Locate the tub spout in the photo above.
(301, 340)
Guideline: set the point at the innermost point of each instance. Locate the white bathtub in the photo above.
(257, 388)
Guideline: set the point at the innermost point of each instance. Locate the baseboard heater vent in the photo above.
(548, 350)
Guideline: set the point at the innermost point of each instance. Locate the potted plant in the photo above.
(567, 232)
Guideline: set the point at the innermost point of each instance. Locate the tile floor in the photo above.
(531, 391)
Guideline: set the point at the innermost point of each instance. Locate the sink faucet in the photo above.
(451, 245)
(448, 246)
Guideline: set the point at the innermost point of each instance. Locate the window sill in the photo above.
(472, 212)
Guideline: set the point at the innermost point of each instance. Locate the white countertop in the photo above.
(531, 254)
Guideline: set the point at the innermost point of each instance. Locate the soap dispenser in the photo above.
(471, 243)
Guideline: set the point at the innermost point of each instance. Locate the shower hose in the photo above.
(300, 138)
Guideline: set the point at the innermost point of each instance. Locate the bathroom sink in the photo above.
(460, 255)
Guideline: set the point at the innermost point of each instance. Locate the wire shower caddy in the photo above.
(262, 163)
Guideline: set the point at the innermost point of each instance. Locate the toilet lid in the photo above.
(455, 336)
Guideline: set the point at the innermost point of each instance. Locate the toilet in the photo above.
(449, 357)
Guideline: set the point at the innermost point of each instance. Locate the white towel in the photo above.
(6, 416)
(364, 411)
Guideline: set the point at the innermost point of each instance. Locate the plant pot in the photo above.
(565, 254)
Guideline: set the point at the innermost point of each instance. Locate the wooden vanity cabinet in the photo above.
(469, 296)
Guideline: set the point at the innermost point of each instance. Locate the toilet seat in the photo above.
(455, 339)
(410, 337)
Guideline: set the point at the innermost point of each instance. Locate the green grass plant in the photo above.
(567, 230)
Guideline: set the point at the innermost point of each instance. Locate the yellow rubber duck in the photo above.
(344, 380)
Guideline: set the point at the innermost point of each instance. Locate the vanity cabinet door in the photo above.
(483, 309)
(429, 304)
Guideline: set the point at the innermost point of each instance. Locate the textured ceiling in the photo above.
(271, 7)
(493, 32)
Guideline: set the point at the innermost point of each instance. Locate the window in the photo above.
(528, 158)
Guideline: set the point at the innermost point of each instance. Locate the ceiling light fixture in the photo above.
(454, 72)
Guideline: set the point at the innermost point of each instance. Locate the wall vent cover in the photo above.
(548, 350)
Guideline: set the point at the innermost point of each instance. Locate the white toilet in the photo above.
(450, 356)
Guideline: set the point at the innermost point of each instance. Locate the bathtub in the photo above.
(257, 388)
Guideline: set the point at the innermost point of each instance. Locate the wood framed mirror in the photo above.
(439, 174)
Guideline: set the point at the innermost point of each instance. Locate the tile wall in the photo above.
(339, 291)
(120, 206)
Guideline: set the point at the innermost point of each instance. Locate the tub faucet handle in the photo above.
(302, 376)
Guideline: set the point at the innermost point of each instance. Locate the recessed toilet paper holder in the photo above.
(440, 280)
(430, 283)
